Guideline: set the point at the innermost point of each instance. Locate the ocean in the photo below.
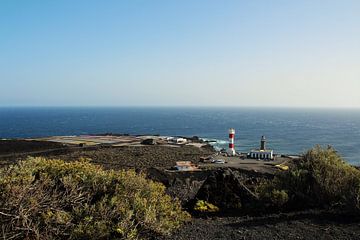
(288, 131)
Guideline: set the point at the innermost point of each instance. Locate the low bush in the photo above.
(320, 178)
(203, 206)
(53, 199)
(335, 182)
(269, 195)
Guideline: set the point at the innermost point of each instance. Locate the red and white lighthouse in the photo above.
(231, 150)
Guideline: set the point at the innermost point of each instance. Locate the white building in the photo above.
(180, 140)
(262, 153)
(177, 140)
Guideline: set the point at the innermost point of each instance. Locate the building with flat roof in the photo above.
(262, 153)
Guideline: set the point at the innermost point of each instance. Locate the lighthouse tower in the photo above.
(231, 150)
(263, 143)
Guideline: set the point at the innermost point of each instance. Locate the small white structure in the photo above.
(262, 153)
(231, 149)
(180, 140)
(177, 140)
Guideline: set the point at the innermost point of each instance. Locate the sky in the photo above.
(180, 53)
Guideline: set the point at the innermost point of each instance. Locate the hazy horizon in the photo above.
(278, 54)
(185, 107)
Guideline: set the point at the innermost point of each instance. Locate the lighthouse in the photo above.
(263, 143)
(262, 152)
(231, 150)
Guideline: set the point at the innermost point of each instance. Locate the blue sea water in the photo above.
(289, 131)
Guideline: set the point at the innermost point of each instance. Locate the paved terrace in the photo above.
(241, 162)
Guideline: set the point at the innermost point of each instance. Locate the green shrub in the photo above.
(269, 195)
(203, 206)
(53, 199)
(335, 182)
(279, 197)
(320, 178)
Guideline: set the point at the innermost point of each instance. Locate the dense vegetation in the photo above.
(53, 199)
(320, 179)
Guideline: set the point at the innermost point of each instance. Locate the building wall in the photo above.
(261, 154)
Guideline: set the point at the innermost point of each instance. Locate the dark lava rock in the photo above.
(184, 189)
(195, 138)
(149, 141)
(227, 189)
(208, 147)
(20, 146)
(181, 185)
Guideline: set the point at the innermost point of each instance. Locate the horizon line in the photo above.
(179, 106)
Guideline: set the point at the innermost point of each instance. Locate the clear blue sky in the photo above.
(180, 53)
